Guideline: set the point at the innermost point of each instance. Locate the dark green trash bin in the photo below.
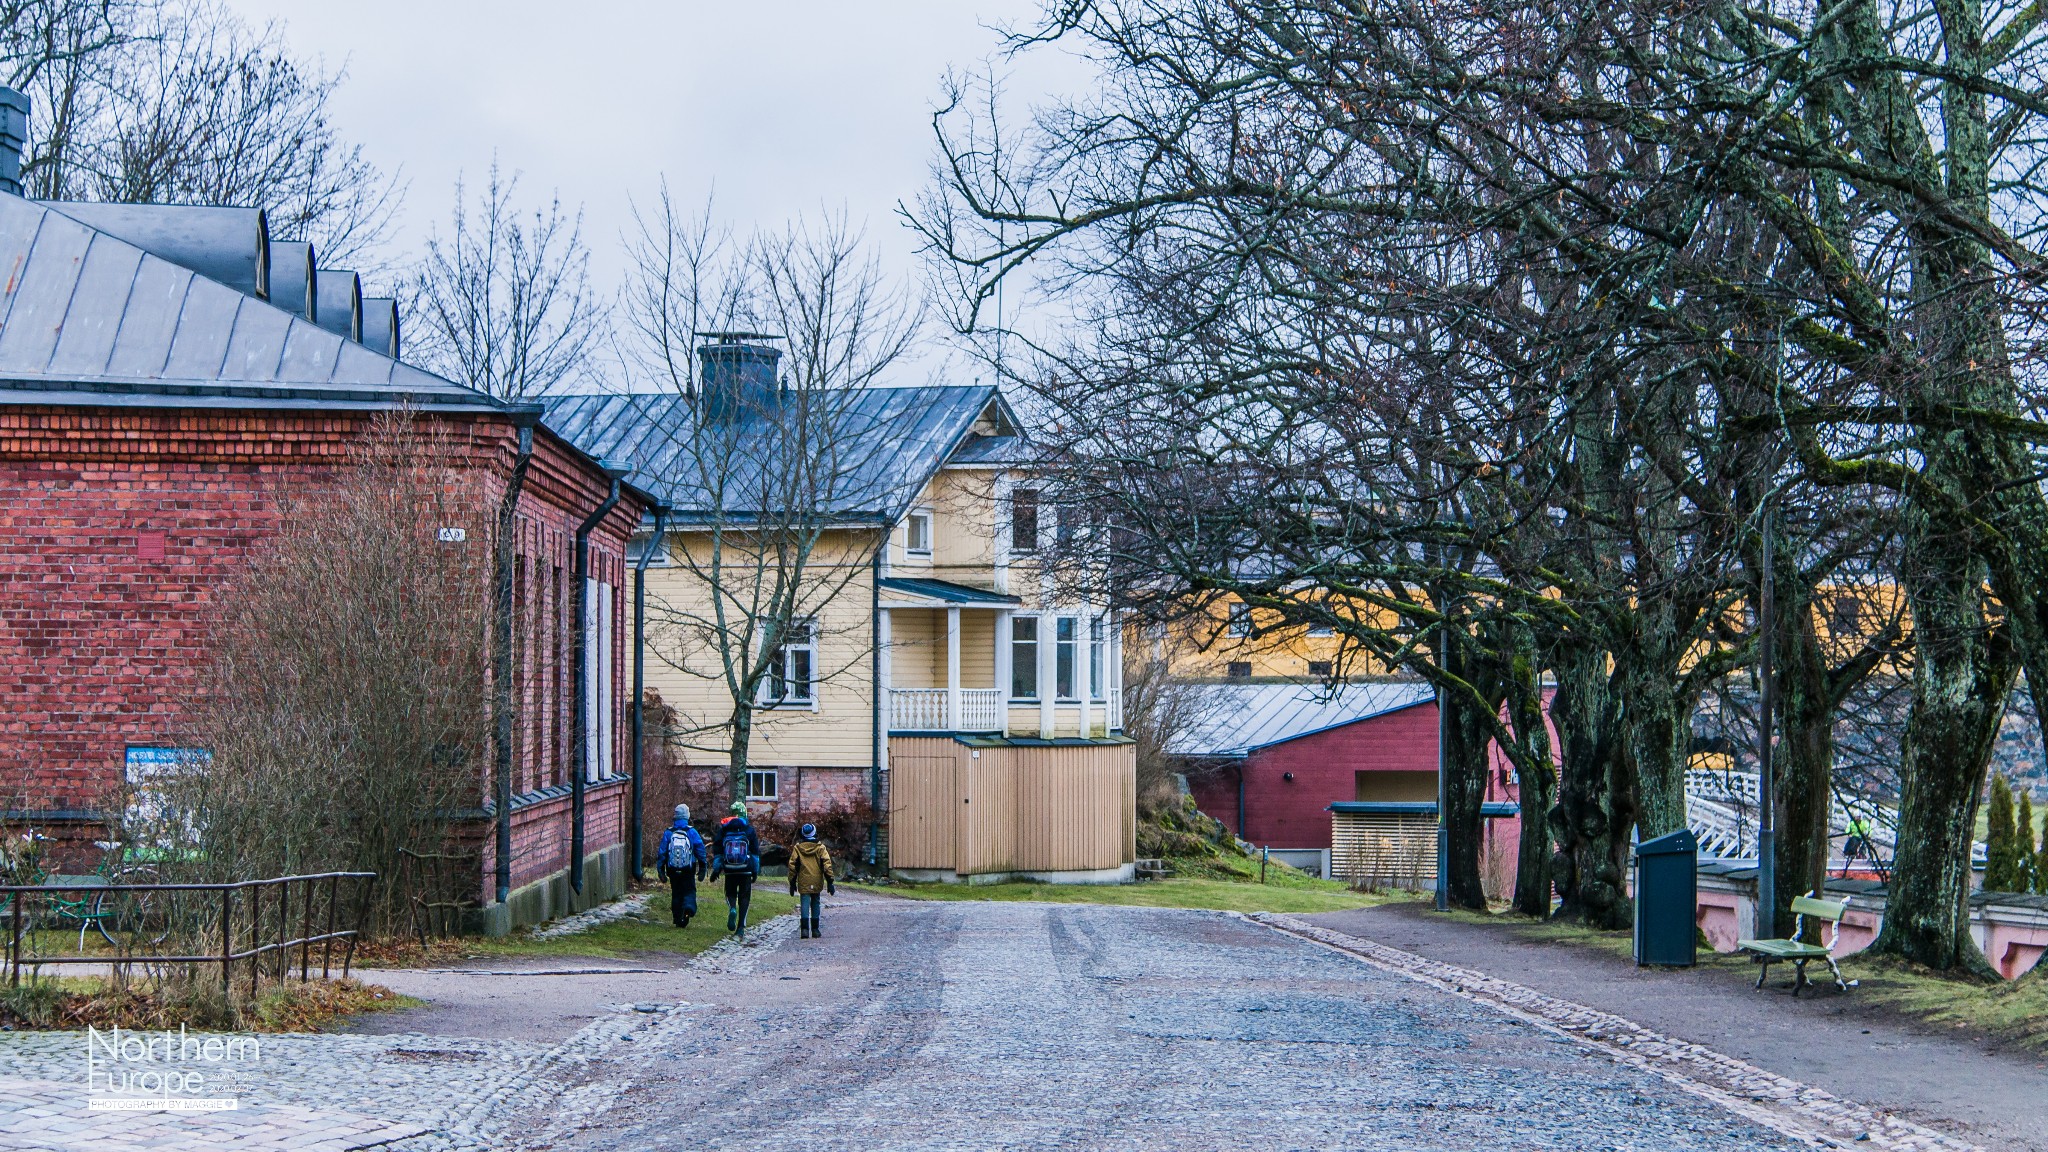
(1667, 890)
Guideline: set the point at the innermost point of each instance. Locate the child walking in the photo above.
(810, 872)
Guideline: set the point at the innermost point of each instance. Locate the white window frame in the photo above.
(1019, 667)
(1098, 658)
(772, 777)
(1237, 619)
(1068, 648)
(599, 637)
(780, 670)
(910, 533)
(1322, 628)
(1037, 501)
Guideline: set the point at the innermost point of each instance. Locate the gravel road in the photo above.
(995, 1026)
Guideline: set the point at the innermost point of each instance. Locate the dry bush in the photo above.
(344, 710)
(1157, 708)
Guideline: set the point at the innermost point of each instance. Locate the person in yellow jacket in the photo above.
(810, 872)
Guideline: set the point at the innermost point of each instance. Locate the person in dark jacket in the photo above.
(737, 855)
(682, 862)
(810, 872)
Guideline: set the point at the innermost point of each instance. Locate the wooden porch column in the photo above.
(1002, 633)
(884, 672)
(953, 669)
(1048, 647)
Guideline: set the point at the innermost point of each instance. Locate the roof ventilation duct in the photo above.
(338, 303)
(291, 277)
(230, 245)
(380, 325)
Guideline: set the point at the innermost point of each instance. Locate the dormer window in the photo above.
(917, 533)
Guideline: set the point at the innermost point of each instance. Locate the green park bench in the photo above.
(1799, 952)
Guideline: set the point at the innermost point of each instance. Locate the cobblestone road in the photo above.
(996, 1026)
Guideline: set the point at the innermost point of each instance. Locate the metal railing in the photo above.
(251, 920)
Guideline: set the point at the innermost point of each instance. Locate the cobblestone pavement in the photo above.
(995, 1026)
(921, 1026)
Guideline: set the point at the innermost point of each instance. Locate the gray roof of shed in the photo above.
(901, 436)
(1234, 719)
(88, 318)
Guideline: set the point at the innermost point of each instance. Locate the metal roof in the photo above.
(896, 438)
(89, 318)
(946, 591)
(994, 450)
(1235, 719)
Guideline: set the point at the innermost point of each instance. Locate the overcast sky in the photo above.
(784, 106)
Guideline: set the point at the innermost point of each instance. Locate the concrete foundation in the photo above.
(1122, 874)
(604, 878)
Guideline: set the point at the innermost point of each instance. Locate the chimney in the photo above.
(13, 134)
(737, 377)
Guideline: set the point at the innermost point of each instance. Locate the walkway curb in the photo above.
(1797, 1110)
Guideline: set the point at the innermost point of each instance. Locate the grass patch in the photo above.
(647, 933)
(1227, 884)
(99, 1002)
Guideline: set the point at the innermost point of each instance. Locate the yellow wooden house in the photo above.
(934, 671)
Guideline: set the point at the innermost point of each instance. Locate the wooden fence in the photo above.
(1011, 808)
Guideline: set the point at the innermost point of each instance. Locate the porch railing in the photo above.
(924, 710)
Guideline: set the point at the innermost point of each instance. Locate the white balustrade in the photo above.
(924, 710)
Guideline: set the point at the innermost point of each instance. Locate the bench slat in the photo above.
(1829, 910)
(1783, 949)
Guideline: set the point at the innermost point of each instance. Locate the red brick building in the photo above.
(163, 371)
(1271, 760)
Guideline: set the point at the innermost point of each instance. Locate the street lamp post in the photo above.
(1766, 823)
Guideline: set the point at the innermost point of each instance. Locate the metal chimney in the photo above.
(737, 377)
(13, 135)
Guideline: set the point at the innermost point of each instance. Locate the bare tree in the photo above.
(341, 707)
(784, 482)
(181, 101)
(502, 302)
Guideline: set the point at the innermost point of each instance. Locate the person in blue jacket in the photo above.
(682, 863)
(736, 854)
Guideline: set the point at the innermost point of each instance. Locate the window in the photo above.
(1024, 658)
(1238, 669)
(1320, 629)
(1098, 646)
(917, 534)
(1024, 520)
(599, 729)
(1845, 613)
(1319, 669)
(761, 783)
(790, 672)
(1239, 622)
(1066, 631)
(645, 542)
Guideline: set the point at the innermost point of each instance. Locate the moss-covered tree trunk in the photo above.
(1466, 736)
(1538, 776)
(1805, 753)
(1595, 801)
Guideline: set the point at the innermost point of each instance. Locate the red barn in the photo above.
(1340, 781)
(162, 370)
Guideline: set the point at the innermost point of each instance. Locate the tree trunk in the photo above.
(1805, 753)
(1657, 716)
(1595, 804)
(1963, 672)
(1538, 789)
(1466, 737)
(742, 738)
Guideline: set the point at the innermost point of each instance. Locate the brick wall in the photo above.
(120, 530)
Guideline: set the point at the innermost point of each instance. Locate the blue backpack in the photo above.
(734, 852)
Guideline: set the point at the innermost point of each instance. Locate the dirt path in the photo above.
(1834, 1041)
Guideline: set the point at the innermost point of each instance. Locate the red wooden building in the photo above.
(1340, 781)
(163, 370)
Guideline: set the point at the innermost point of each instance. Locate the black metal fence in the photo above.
(260, 922)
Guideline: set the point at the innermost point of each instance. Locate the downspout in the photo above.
(658, 540)
(581, 674)
(881, 693)
(523, 418)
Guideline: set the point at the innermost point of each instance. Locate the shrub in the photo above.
(2001, 842)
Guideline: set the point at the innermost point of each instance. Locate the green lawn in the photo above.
(1230, 885)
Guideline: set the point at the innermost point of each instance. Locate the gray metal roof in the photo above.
(89, 318)
(945, 590)
(1234, 719)
(994, 450)
(895, 439)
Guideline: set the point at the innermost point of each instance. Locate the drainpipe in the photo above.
(524, 417)
(881, 693)
(659, 539)
(580, 735)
